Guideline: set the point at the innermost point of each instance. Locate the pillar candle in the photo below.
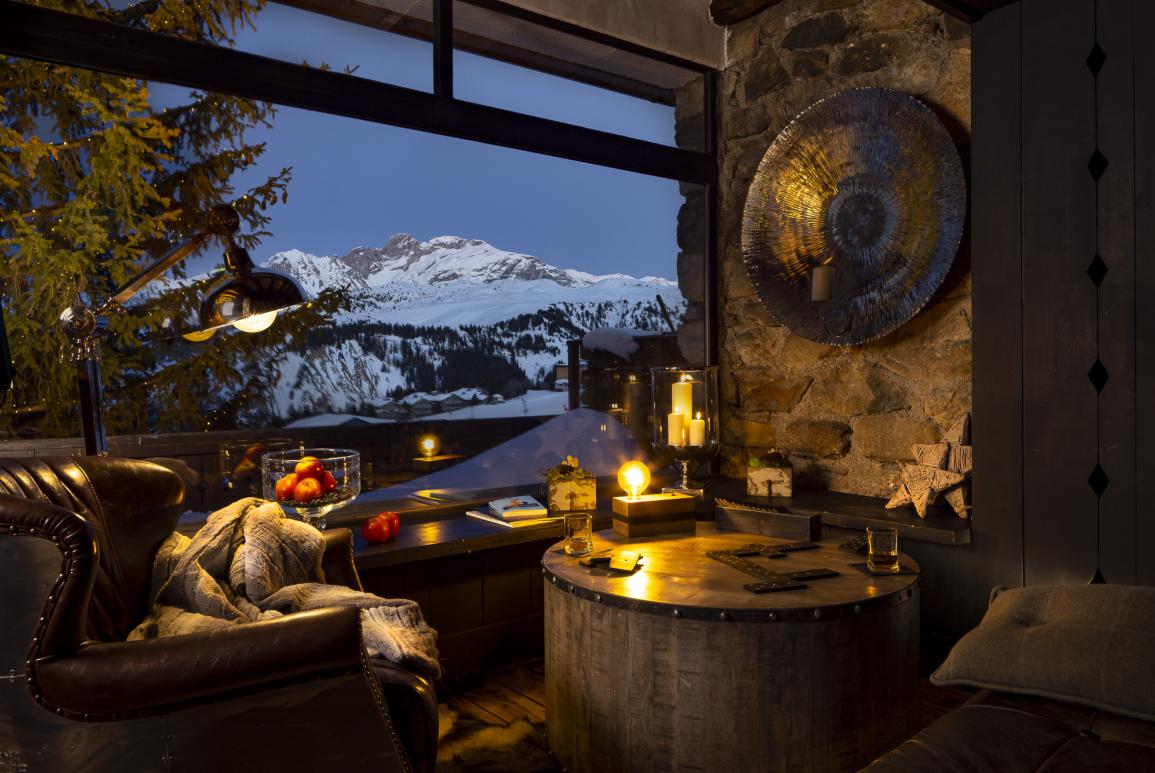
(697, 431)
(682, 399)
(674, 426)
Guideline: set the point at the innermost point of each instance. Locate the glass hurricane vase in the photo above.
(335, 471)
(686, 429)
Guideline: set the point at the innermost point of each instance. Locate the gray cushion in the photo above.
(1092, 645)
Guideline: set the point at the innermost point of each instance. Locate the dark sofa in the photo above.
(1067, 679)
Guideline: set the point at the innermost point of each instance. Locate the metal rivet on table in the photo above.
(571, 587)
(598, 597)
(817, 614)
(857, 609)
(677, 613)
(553, 579)
(773, 615)
(723, 616)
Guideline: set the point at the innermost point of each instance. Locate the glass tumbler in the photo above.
(882, 549)
(578, 533)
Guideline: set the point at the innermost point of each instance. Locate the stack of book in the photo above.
(514, 512)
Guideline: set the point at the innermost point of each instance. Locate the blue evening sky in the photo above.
(357, 183)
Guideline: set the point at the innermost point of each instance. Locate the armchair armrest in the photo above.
(337, 560)
(111, 680)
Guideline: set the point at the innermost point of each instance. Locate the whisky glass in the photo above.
(882, 549)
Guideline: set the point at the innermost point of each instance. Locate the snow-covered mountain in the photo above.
(449, 313)
(453, 281)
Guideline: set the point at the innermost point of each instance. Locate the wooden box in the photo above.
(569, 495)
(767, 520)
(652, 514)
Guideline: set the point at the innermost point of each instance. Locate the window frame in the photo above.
(67, 39)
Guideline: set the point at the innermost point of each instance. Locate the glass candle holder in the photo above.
(685, 419)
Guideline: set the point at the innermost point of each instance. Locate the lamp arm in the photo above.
(137, 283)
(223, 221)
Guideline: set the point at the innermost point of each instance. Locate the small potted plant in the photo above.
(569, 487)
(770, 475)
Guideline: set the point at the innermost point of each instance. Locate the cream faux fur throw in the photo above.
(249, 562)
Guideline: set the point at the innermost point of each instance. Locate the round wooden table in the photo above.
(676, 667)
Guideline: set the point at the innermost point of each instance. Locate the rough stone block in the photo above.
(822, 439)
(766, 72)
(817, 31)
(798, 352)
(890, 438)
(894, 14)
(756, 434)
(955, 29)
(868, 55)
(773, 394)
(810, 64)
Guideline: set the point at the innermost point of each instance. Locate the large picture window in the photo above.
(447, 275)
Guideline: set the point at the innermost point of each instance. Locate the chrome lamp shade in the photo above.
(255, 297)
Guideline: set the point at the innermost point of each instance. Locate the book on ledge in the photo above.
(489, 516)
(517, 508)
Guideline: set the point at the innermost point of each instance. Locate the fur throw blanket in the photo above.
(249, 562)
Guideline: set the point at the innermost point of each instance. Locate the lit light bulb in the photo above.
(429, 445)
(633, 477)
(256, 323)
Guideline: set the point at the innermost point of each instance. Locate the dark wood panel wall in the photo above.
(1063, 203)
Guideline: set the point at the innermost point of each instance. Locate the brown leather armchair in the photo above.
(77, 541)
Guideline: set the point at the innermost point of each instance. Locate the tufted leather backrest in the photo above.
(131, 507)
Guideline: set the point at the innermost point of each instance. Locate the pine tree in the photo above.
(95, 183)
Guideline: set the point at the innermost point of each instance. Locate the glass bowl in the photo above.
(337, 472)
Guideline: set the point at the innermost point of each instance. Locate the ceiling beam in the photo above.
(725, 12)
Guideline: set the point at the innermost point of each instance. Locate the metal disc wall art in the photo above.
(866, 186)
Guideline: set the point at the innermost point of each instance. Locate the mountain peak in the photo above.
(447, 261)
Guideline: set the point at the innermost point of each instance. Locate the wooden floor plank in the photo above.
(470, 708)
(507, 704)
(524, 680)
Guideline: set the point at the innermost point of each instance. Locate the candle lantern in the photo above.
(428, 446)
(686, 419)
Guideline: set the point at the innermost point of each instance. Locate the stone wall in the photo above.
(846, 415)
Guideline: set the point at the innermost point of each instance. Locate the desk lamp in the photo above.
(244, 297)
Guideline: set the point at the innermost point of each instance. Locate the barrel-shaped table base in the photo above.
(633, 690)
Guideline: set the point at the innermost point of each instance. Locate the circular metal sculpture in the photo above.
(867, 187)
